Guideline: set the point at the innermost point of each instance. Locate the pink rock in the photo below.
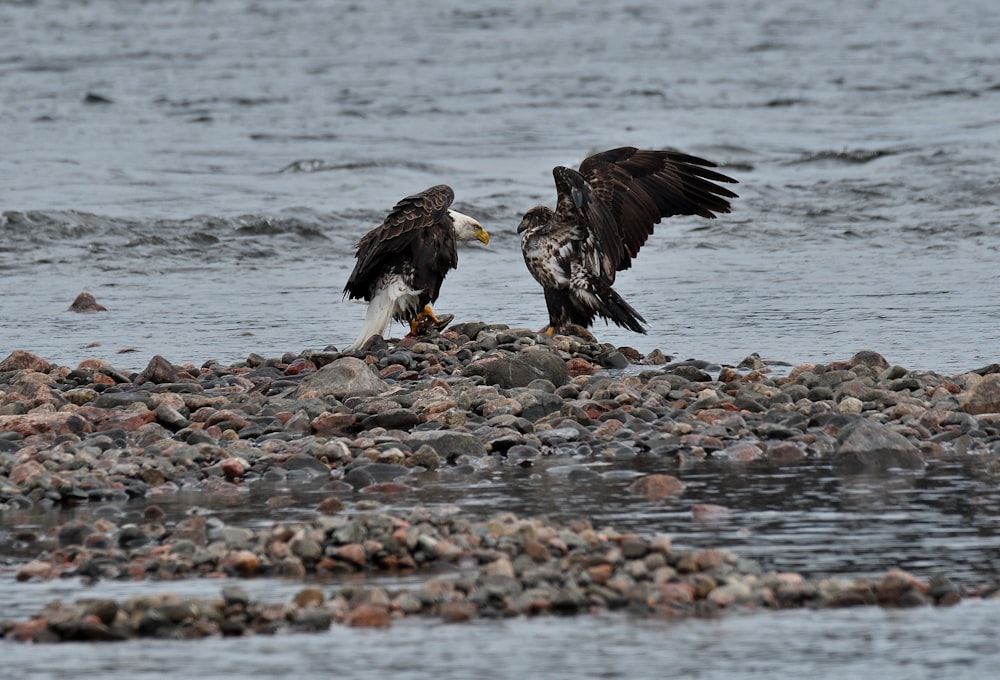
(983, 397)
(387, 488)
(333, 424)
(25, 471)
(455, 612)
(353, 553)
(674, 592)
(535, 549)
(742, 452)
(45, 422)
(232, 468)
(33, 629)
(369, 616)
(706, 560)
(37, 569)
(608, 428)
(330, 505)
(300, 366)
(896, 583)
(127, 420)
(243, 562)
(19, 360)
(601, 573)
(85, 302)
(657, 486)
(785, 453)
(708, 512)
(576, 367)
(232, 419)
(499, 567)
(158, 371)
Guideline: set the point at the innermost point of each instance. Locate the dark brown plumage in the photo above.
(402, 263)
(604, 214)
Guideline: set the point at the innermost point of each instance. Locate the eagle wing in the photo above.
(407, 221)
(628, 191)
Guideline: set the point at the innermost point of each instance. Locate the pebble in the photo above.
(474, 396)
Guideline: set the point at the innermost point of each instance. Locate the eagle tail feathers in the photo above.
(392, 297)
(612, 306)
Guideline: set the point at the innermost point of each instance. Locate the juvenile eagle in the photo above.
(604, 213)
(401, 264)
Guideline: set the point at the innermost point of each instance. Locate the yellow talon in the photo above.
(427, 320)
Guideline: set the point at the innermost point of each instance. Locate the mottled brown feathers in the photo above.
(604, 213)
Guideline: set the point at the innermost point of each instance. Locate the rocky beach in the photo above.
(374, 424)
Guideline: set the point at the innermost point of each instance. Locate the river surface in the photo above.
(204, 168)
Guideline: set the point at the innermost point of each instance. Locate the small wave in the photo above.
(272, 137)
(201, 102)
(783, 102)
(306, 165)
(271, 226)
(35, 237)
(961, 92)
(846, 156)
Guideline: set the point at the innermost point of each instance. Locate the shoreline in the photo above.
(367, 420)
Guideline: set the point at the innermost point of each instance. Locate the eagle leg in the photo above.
(427, 320)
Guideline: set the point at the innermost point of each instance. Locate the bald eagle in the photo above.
(402, 263)
(604, 213)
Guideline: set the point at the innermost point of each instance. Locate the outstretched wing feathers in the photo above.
(580, 208)
(640, 187)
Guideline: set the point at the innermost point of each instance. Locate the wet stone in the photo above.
(352, 449)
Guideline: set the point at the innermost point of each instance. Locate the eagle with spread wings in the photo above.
(604, 213)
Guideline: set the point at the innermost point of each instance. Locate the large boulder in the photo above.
(345, 377)
(448, 444)
(869, 446)
(983, 397)
(19, 360)
(519, 370)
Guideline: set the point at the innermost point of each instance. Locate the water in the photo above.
(864, 137)
(820, 645)
(204, 168)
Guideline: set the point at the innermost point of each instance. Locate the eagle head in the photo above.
(536, 217)
(467, 229)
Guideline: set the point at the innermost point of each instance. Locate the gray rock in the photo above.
(235, 537)
(73, 533)
(521, 369)
(867, 446)
(374, 473)
(171, 417)
(313, 619)
(303, 461)
(448, 444)
(122, 399)
(393, 419)
(235, 595)
(537, 404)
(345, 377)
(867, 357)
(425, 456)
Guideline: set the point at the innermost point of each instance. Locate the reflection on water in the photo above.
(957, 643)
(805, 518)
